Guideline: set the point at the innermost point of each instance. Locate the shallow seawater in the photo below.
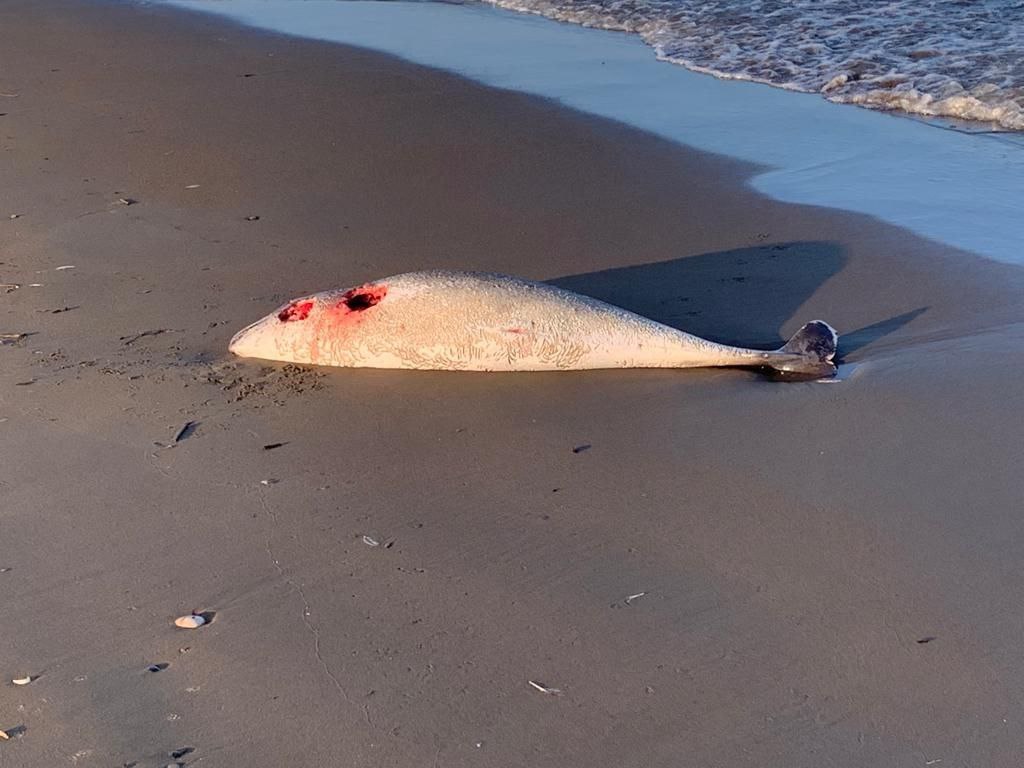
(930, 57)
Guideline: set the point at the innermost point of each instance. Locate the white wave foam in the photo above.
(944, 58)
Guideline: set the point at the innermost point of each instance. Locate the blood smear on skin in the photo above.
(362, 298)
(297, 310)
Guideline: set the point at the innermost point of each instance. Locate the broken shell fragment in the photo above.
(22, 680)
(4, 736)
(192, 621)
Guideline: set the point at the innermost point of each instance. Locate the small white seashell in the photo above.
(192, 621)
(22, 680)
(370, 541)
(4, 736)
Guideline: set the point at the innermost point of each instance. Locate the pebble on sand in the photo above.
(192, 621)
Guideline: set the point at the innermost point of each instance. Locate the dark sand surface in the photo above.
(797, 543)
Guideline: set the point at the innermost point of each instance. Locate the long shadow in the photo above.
(854, 340)
(740, 297)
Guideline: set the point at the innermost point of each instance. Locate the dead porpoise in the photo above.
(470, 321)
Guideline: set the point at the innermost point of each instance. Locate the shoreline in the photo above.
(809, 150)
(795, 544)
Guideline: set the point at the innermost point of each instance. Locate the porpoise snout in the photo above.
(243, 343)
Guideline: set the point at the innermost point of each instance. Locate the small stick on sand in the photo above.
(545, 689)
(127, 340)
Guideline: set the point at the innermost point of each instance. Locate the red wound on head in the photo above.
(297, 310)
(362, 298)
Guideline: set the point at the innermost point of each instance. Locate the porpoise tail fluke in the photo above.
(809, 353)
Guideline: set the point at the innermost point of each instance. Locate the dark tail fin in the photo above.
(809, 353)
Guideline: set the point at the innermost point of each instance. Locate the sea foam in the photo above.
(941, 58)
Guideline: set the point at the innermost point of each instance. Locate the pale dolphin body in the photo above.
(482, 322)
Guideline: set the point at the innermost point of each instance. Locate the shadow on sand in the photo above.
(740, 297)
(855, 340)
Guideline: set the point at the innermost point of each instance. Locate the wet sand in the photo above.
(830, 572)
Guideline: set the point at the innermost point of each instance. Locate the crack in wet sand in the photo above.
(306, 609)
